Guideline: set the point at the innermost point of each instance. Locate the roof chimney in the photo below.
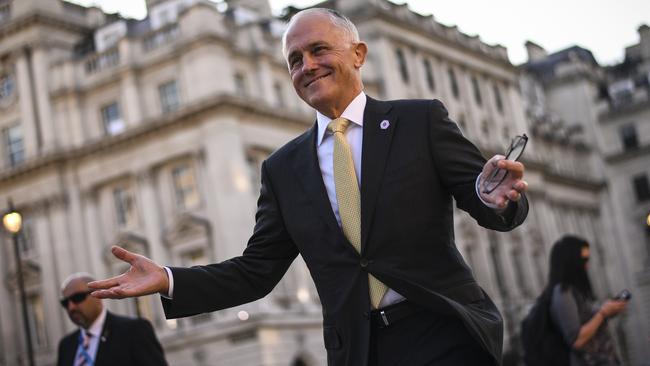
(535, 51)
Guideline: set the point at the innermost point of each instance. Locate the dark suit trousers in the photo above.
(425, 339)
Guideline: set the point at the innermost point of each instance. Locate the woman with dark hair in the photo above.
(574, 311)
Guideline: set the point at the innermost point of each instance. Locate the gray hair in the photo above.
(76, 276)
(338, 19)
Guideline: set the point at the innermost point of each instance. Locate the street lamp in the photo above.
(12, 221)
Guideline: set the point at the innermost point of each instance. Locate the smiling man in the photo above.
(366, 197)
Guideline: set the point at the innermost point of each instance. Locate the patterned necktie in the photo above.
(348, 197)
(83, 358)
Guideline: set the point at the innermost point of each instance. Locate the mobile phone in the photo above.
(625, 295)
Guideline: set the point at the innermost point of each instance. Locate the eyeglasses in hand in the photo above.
(498, 175)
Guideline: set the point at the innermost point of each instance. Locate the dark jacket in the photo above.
(411, 173)
(124, 341)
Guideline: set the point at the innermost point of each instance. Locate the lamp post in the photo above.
(12, 221)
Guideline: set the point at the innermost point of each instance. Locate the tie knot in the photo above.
(86, 338)
(338, 125)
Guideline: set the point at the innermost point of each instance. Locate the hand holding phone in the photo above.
(624, 295)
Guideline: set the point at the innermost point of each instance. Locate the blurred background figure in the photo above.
(103, 338)
(574, 312)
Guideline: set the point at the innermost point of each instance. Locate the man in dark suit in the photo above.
(365, 196)
(103, 338)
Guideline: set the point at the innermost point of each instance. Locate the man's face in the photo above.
(324, 63)
(86, 311)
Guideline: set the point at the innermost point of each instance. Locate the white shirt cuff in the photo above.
(170, 276)
(493, 206)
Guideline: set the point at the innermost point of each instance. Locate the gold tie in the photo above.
(349, 198)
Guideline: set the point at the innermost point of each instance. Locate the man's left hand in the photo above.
(512, 186)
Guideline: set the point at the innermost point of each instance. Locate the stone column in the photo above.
(27, 116)
(95, 247)
(131, 99)
(40, 65)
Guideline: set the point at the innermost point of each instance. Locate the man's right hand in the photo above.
(144, 277)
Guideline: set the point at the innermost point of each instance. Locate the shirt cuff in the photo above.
(170, 276)
(493, 206)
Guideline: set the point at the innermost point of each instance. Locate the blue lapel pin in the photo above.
(384, 124)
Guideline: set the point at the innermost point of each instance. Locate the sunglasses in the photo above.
(75, 298)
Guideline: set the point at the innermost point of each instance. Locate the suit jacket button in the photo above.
(364, 263)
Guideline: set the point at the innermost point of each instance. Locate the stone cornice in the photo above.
(20, 23)
(182, 118)
(624, 156)
(375, 13)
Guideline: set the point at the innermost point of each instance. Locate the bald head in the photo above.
(82, 308)
(84, 277)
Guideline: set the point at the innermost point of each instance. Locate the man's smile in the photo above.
(316, 79)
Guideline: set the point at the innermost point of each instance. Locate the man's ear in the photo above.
(360, 52)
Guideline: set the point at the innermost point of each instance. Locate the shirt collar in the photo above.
(353, 113)
(97, 326)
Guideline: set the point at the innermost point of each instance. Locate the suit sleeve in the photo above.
(459, 163)
(146, 349)
(242, 279)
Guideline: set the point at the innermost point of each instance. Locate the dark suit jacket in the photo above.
(124, 341)
(409, 174)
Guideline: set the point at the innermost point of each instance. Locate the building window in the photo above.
(629, 137)
(485, 128)
(15, 146)
(5, 11)
(431, 82)
(113, 123)
(477, 91)
(6, 87)
(254, 158)
(185, 188)
(641, 187)
(169, 99)
(279, 94)
(240, 84)
(401, 63)
(124, 207)
(453, 82)
(497, 97)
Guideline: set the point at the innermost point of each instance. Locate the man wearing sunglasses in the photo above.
(103, 338)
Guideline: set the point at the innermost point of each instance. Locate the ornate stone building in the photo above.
(150, 133)
(571, 99)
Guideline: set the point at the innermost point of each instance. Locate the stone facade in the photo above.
(571, 99)
(150, 134)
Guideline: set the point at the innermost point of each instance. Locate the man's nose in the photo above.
(309, 64)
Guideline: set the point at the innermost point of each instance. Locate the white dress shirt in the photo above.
(96, 330)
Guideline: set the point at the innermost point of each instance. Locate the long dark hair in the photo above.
(568, 266)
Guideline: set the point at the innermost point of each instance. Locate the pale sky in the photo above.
(605, 27)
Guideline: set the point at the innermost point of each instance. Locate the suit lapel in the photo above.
(377, 136)
(305, 164)
(72, 345)
(103, 339)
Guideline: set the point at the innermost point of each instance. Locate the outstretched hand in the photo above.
(512, 186)
(144, 277)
